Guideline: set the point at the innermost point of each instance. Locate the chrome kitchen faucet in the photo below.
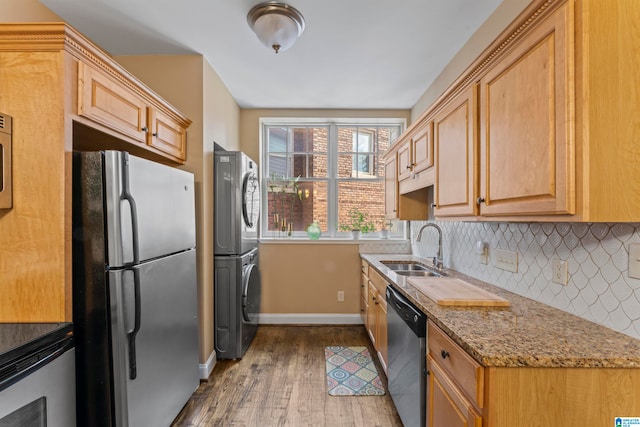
(437, 260)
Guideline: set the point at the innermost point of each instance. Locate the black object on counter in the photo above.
(25, 347)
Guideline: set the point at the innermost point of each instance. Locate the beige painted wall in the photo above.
(306, 278)
(190, 84)
(504, 14)
(26, 11)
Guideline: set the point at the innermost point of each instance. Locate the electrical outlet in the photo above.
(559, 271)
(341, 296)
(482, 251)
(507, 260)
(634, 260)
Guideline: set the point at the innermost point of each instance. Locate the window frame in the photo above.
(332, 179)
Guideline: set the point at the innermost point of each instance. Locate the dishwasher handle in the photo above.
(408, 312)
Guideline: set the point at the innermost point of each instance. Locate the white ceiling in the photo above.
(353, 53)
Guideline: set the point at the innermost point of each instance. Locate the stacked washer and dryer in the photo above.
(237, 288)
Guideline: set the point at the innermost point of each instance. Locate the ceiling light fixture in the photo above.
(276, 24)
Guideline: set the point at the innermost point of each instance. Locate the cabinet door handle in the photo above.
(480, 200)
(408, 166)
(433, 205)
(444, 354)
(145, 129)
(155, 134)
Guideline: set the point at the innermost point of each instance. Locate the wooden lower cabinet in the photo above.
(455, 384)
(364, 295)
(461, 392)
(446, 405)
(374, 300)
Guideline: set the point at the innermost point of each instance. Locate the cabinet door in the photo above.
(390, 188)
(405, 161)
(167, 135)
(364, 285)
(372, 313)
(381, 339)
(455, 143)
(422, 147)
(111, 104)
(526, 125)
(446, 406)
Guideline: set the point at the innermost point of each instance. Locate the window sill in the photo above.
(327, 241)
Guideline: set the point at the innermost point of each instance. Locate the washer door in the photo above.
(251, 293)
(250, 199)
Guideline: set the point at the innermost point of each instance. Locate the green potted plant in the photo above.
(358, 222)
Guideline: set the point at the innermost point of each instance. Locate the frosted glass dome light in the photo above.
(277, 25)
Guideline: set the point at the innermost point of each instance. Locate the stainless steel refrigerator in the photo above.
(134, 290)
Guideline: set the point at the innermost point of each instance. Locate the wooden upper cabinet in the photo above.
(390, 187)
(422, 148)
(405, 160)
(526, 124)
(167, 135)
(126, 110)
(111, 104)
(456, 155)
(415, 154)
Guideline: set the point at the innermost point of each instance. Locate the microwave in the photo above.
(6, 196)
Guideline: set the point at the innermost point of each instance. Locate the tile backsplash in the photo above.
(599, 287)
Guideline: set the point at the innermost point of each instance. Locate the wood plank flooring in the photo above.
(280, 381)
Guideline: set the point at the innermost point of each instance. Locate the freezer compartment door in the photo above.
(154, 339)
(150, 209)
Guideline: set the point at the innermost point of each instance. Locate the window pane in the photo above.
(277, 138)
(277, 164)
(293, 205)
(309, 140)
(367, 197)
(360, 166)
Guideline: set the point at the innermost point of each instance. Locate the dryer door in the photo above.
(251, 293)
(250, 200)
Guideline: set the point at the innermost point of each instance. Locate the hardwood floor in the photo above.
(280, 381)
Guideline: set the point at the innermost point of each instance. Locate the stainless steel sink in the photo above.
(404, 266)
(422, 273)
(410, 269)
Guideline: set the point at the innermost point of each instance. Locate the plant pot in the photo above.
(384, 234)
(355, 234)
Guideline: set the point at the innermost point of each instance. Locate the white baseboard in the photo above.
(309, 319)
(206, 368)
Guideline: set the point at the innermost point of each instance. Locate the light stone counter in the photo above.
(527, 333)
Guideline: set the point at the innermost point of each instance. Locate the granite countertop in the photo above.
(527, 333)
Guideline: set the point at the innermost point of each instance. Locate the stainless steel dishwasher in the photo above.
(407, 332)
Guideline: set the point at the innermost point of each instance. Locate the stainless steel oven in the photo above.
(37, 375)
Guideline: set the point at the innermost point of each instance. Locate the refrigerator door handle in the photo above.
(131, 336)
(126, 195)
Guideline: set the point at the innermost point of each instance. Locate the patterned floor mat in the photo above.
(351, 372)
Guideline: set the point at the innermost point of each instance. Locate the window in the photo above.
(319, 170)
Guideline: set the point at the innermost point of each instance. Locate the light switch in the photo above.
(634, 260)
